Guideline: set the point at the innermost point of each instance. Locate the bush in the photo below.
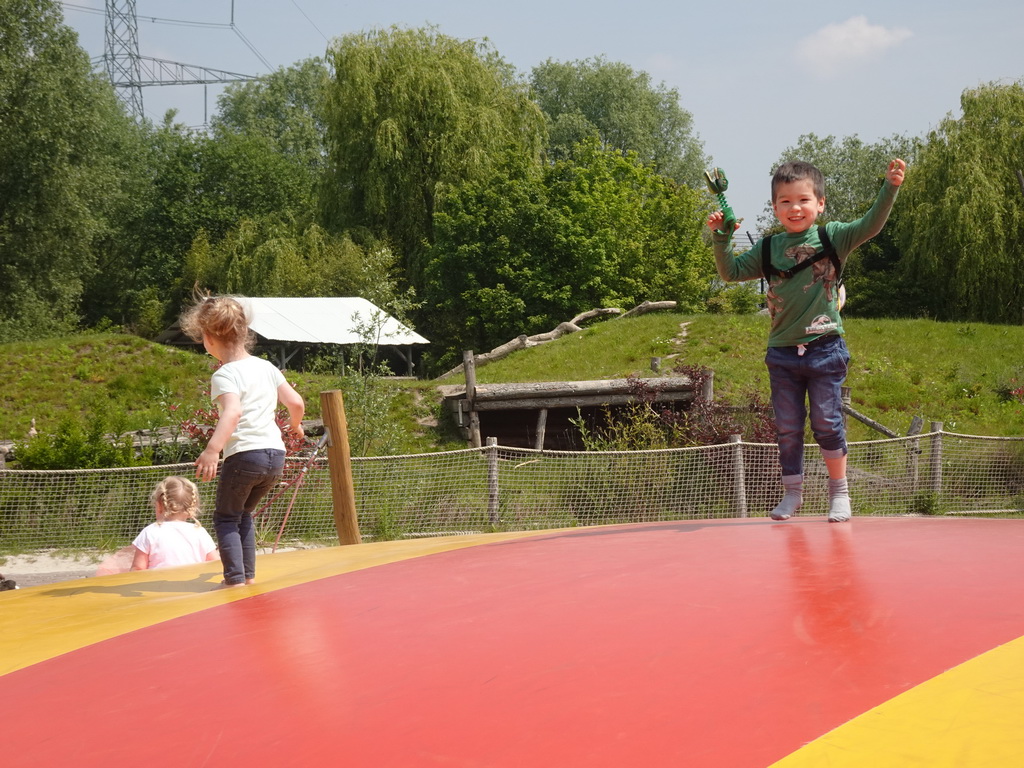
(93, 444)
(647, 424)
(742, 299)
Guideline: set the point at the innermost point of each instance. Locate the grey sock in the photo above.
(792, 499)
(839, 510)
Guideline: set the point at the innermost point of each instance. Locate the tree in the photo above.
(410, 112)
(115, 290)
(962, 226)
(271, 257)
(529, 248)
(199, 184)
(854, 172)
(58, 169)
(256, 173)
(285, 107)
(619, 106)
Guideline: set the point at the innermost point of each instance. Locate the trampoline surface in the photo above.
(740, 642)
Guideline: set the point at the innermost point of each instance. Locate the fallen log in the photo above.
(523, 341)
(650, 306)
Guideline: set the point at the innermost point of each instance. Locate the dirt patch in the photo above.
(38, 568)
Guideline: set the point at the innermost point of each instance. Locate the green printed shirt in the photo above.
(806, 305)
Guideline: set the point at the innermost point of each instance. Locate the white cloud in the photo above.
(838, 45)
(662, 66)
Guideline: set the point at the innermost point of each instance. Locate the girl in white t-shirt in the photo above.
(176, 538)
(247, 391)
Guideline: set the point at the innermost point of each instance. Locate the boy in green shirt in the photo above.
(807, 358)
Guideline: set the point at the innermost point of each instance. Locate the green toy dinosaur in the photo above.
(717, 184)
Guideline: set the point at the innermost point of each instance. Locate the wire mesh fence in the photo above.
(505, 489)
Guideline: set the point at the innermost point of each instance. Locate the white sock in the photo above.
(792, 499)
(839, 510)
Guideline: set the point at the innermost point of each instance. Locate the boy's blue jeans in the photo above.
(816, 376)
(245, 478)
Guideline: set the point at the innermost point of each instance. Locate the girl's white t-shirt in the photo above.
(255, 381)
(174, 542)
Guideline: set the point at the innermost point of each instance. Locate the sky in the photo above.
(755, 76)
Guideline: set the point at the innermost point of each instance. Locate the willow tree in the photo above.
(266, 256)
(409, 111)
(962, 228)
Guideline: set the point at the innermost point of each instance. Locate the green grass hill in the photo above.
(968, 376)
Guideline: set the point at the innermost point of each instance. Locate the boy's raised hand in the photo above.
(716, 220)
(894, 174)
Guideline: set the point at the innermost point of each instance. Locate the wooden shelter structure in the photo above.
(540, 414)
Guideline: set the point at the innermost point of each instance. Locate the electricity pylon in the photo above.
(130, 73)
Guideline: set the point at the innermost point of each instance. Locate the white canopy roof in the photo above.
(326, 321)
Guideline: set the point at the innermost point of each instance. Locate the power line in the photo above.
(152, 19)
(310, 21)
(196, 24)
(84, 8)
(251, 47)
(129, 72)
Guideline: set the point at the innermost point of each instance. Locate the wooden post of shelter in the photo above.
(542, 426)
(469, 368)
(332, 407)
(707, 390)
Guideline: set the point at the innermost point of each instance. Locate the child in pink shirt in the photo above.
(176, 538)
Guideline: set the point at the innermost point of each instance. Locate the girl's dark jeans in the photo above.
(245, 478)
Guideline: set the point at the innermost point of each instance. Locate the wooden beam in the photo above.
(599, 387)
(585, 401)
(868, 421)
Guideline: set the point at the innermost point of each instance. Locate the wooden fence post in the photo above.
(739, 477)
(913, 451)
(493, 498)
(936, 462)
(339, 462)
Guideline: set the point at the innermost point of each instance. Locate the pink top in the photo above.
(174, 542)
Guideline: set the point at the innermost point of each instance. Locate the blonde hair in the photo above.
(222, 317)
(178, 497)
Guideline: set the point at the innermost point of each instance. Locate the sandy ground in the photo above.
(48, 567)
(39, 568)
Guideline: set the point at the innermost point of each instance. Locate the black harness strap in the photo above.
(828, 252)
